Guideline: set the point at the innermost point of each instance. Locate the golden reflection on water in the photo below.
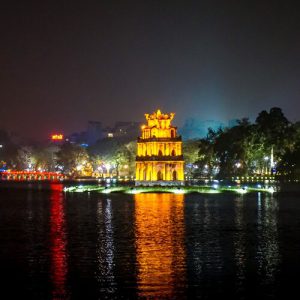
(160, 249)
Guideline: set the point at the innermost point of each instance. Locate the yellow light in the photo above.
(155, 216)
(57, 137)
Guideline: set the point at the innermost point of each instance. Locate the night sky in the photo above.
(62, 63)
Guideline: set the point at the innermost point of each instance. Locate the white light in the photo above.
(266, 158)
(238, 165)
(241, 191)
(107, 191)
(271, 190)
(134, 192)
(78, 168)
(215, 186)
(178, 191)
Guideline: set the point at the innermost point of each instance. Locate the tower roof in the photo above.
(158, 115)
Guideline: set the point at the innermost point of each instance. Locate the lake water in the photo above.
(56, 245)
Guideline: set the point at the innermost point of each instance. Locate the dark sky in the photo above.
(62, 63)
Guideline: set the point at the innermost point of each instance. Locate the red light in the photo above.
(57, 137)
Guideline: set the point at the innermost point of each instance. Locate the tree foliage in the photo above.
(270, 145)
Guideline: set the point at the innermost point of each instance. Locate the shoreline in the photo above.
(175, 189)
(130, 188)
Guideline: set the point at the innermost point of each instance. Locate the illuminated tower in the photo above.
(159, 159)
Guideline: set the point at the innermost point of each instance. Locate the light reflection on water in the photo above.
(144, 246)
(205, 256)
(58, 243)
(105, 248)
(160, 248)
(240, 250)
(268, 257)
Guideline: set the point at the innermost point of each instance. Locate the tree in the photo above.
(190, 151)
(26, 158)
(249, 149)
(46, 158)
(118, 155)
(207, 160)
(74, 160)
(8, 151)
(275, 128)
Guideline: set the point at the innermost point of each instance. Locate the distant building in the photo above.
(123, 130)
(94, 132)
(126, 129)
(77, 138)
(108, 132)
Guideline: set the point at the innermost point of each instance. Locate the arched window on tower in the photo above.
(172, 133)
(174, 175)
(159, 175)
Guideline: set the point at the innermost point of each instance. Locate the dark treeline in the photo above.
(270, 145)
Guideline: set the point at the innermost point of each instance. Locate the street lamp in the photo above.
(266, 158)
(107, 167)
(238, 164)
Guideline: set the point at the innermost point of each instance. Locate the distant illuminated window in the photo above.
(110, 135)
